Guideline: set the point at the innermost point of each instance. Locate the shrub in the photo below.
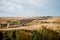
(41, 34)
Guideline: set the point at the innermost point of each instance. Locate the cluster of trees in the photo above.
(41, 34)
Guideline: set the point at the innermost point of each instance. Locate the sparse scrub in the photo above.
(56, 22)
(46, 34)
(3, 25)
(44, 22)
(58, 27)
(41, 34)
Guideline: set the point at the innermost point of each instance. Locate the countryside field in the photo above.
(30, 28)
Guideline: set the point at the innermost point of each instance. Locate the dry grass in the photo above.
(51, 23)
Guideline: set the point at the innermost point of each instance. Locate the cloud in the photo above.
(37, 3)
(29, 7)
(10, 5)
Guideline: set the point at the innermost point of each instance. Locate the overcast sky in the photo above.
(28, 8)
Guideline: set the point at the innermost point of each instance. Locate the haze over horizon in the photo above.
(28, 8)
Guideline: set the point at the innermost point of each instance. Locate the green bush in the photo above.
(46, 34)
(41, 34)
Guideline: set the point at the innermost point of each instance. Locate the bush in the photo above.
(41, 34)
(47, 34)
(22, 35)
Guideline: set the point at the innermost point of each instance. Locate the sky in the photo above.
(29, 8)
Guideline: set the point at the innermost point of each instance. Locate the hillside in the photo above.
(33, 23)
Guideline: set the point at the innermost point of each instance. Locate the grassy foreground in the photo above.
(41, 34)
